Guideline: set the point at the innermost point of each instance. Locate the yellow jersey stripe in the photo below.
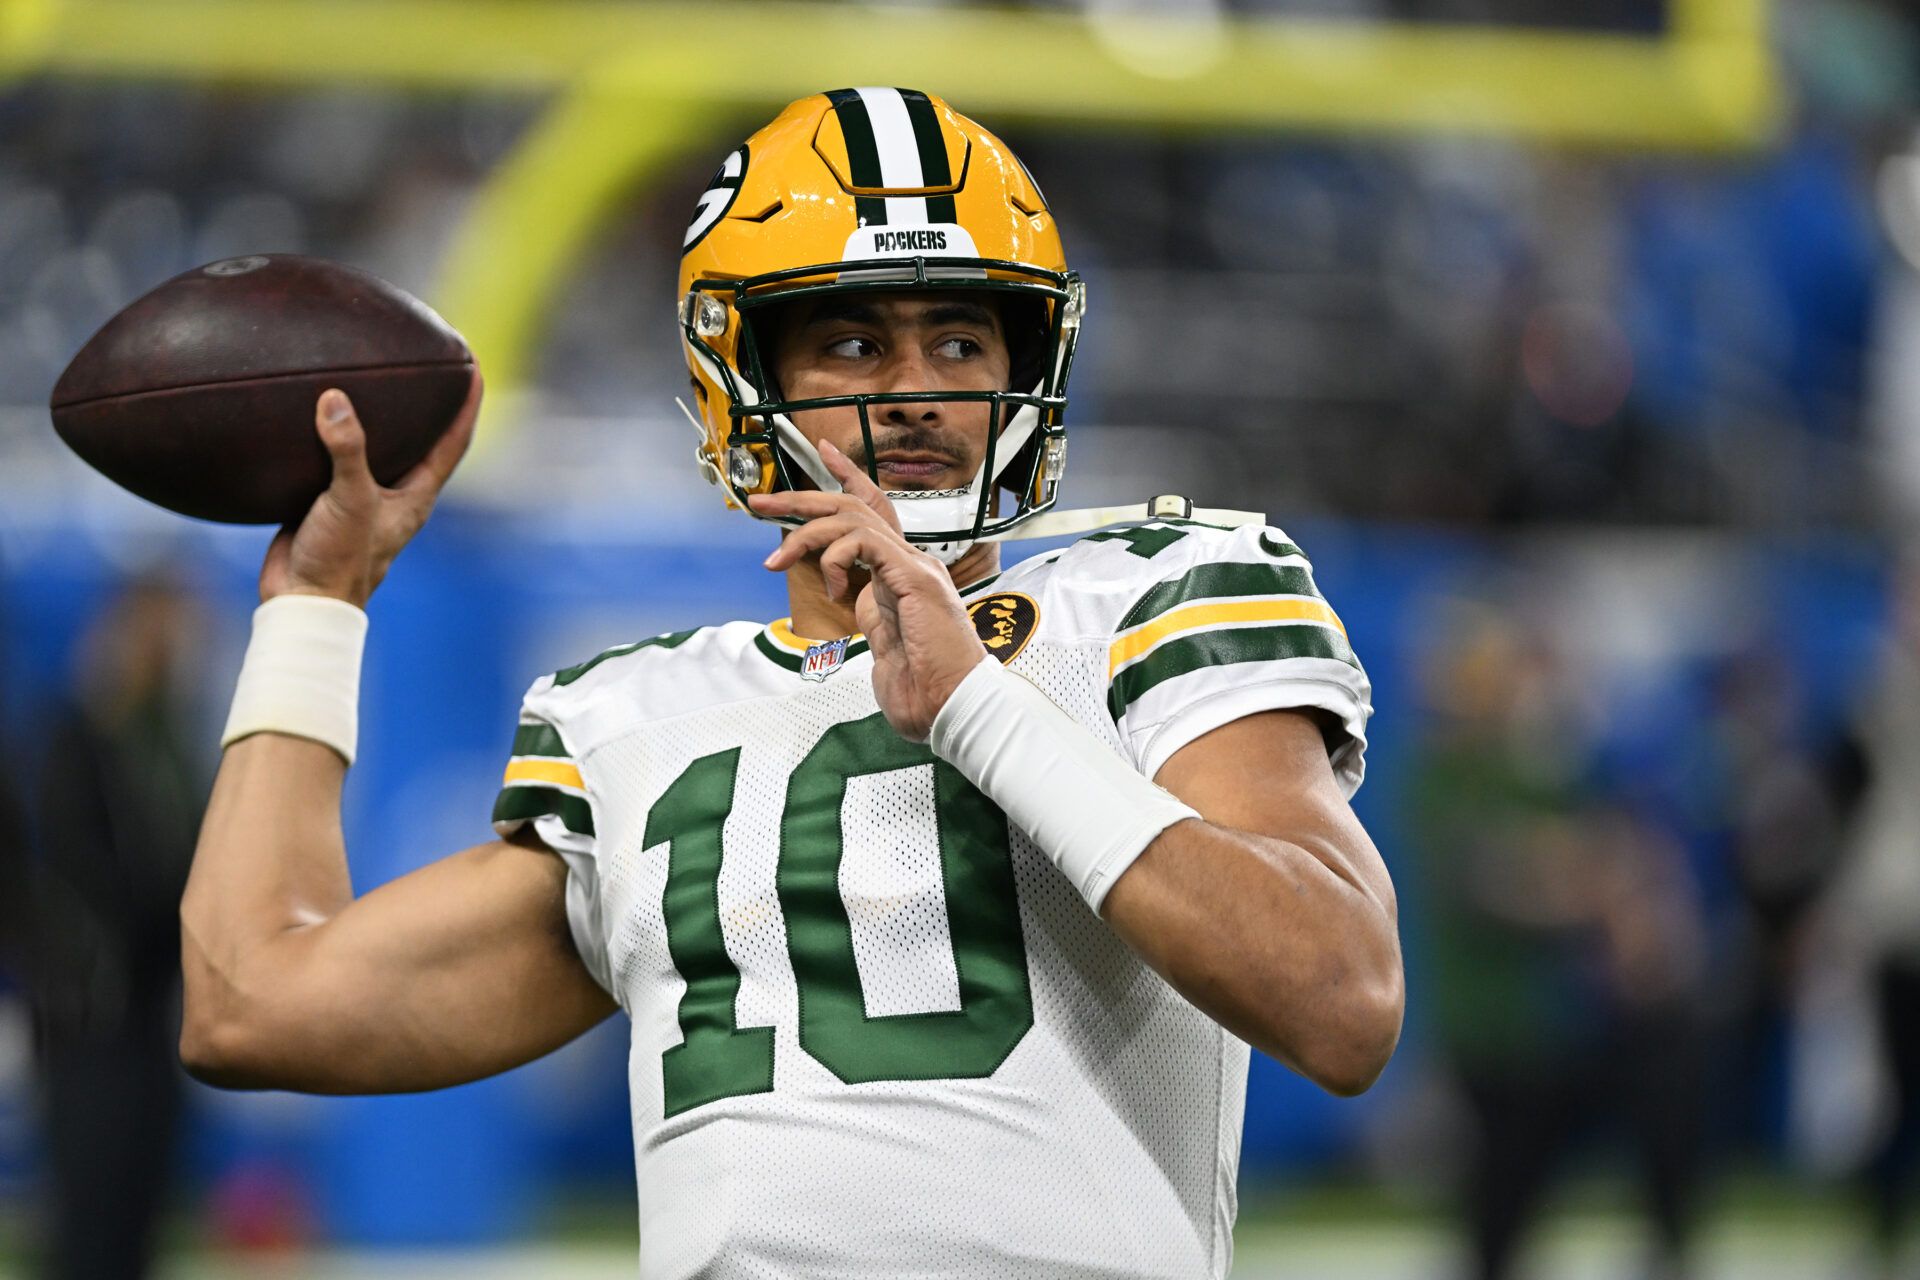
(1195, 616)
(781, 631)
(559, 773)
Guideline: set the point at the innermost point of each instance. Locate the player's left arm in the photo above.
(1274, 913)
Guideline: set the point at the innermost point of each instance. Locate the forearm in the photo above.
(270, 862)
(1293, 949)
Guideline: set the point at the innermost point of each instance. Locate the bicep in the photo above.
(1269, 774)
(456, 971)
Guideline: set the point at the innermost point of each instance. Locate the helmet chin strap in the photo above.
(925, 511)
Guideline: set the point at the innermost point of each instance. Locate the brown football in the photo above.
(200, 396)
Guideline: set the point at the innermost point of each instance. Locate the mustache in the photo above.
(904, 442)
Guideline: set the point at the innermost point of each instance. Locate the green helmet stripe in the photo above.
(863, 154)
(934, 170)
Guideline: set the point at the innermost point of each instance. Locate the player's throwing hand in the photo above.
(348, 540)
(922, 640)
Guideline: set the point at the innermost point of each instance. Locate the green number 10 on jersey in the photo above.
(717, 1058)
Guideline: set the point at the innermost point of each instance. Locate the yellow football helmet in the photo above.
(877, 189)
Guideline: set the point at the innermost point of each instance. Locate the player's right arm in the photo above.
(460, 970)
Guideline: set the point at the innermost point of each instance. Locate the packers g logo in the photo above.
(718, 198)
(1004, 621)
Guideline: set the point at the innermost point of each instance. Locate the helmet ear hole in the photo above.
(1019, 475)
(1025, 323)
(760, 332)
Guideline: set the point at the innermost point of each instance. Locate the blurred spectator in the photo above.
(1873, 916)
(1766, 799)
(122, 790)
(1568, 945)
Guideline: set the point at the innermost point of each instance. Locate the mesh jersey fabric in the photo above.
(917, 1050)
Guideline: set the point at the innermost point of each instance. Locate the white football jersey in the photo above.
(875, 1031)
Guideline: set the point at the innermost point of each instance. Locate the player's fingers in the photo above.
(859, 549)
(836, 564)
(808, 504)
(346, 442)
(858, 483)
(814, 535)
(802, 542)
(432, 472)
(873, 614)
(815, 507)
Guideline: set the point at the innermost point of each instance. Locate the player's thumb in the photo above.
(346, 443)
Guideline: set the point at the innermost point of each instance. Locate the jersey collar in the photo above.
(778, 644)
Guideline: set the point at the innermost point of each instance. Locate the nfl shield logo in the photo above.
(824, 659)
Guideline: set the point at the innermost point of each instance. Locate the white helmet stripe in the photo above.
(899, 149)
(893, 138)
(906, 211)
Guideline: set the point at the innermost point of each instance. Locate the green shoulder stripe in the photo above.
(1224, 648)
(1220, 579)
(791, 661)
(538, 740)
(1275, 547)
(520, 804)
(671, 640)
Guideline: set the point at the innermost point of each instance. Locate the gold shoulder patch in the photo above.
(1004, 621)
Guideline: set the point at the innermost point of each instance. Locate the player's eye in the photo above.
(853, 348)
(958, 348)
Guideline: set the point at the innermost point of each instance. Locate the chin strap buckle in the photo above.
(1169, 506)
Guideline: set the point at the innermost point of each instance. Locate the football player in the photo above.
(945, 909)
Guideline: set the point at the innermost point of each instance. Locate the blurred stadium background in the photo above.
(1575, 341)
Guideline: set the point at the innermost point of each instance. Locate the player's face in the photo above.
(874, 343)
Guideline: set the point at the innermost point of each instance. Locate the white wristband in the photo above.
(1086, 807)
(302, 673)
